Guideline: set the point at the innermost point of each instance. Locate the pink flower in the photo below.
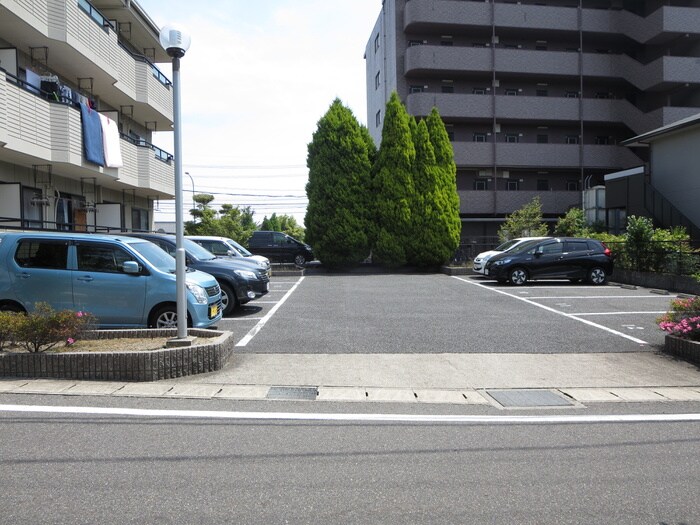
(70, 341)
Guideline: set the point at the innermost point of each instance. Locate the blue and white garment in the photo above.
(93, 147)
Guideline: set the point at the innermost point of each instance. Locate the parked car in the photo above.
(241, 281)
(225, 247)
(280, 247)
(122, 281)
(479, 263)
(570, 258)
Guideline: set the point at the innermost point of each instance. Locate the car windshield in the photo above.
(198, 252)
(525, 246)
(506, 245)
(240, 249)
(155, 255)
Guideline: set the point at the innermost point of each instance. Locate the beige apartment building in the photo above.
(72, 73)
(537, 95)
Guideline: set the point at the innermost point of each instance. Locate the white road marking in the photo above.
(253, 332)
(549, 309)
(622, 313)
(359, 418)
(607, 297)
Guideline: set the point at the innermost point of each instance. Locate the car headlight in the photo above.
(199, 293)
(246, 274)
(502, 262)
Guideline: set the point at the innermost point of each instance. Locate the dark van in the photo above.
(280, 247)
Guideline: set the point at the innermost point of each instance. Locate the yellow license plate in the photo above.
(214, 310)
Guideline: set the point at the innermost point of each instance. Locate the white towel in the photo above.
(112, 143)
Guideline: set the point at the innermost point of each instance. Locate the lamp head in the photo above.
(175, 40)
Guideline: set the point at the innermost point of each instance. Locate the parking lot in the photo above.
(434, 313)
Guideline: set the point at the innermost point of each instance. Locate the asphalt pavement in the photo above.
(430, 338)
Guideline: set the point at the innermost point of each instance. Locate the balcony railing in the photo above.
(140, 58)
(160, 154)
(95, 15)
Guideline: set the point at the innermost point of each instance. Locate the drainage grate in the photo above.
(294, 393)
(528, 398)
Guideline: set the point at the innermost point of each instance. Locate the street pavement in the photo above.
(286, 342)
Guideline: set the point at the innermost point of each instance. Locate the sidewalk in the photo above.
(411, 378)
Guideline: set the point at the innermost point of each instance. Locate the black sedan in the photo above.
(570, 258)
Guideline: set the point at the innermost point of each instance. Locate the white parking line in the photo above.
(246, 339)
(549, 309)
(350, 417)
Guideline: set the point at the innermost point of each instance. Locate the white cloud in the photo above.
(255, 82)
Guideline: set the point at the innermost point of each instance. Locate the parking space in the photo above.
(434, 313)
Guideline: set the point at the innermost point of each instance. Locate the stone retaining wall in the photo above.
(152, 365)
(679, 347)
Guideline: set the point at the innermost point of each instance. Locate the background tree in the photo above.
(525, 222)
(339, 160)
(204, 217)
(285, 224)
(446, 199)
(393, 186)
(572, 224)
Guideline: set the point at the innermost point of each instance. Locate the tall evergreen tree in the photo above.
(425, 247)
(446, 199)
(393, 185)
(339, 160)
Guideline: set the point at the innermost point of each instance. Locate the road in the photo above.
(170, 468)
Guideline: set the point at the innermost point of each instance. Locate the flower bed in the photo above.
(682, 324)
(683, 348)
(148, 365)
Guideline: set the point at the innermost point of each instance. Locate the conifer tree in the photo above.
(393, 186)
(446, 199)
(339, 161)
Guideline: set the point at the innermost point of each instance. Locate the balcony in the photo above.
(422, 15)
(82, 47)
(539, 156)
(505, 202)
(420, 60)
(36, 131)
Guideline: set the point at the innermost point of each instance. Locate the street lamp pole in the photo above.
(176, 42)
(192, 181)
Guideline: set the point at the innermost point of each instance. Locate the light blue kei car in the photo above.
(122, 281)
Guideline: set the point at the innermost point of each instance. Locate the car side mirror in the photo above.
(131, 267)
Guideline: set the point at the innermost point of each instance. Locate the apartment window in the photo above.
(542, 93)
(376, 43)
(571, 185)
(511, 92)
(479, 137)
(542, 139)
(416, 89)
(512, 185)
(479, 91)
(571, 94)
(447, 89)
(512, 138)
(480, 185)
(451, 135)
(603, 94)
(542, 185)
(447, 43)
(541, 47)
(377, 80)
(601, 140)
(571, 139)
(412, 43)
(378, 118)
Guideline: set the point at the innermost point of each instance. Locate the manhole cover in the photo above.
(528, 398)
(286, 392)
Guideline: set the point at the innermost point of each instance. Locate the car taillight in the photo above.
(606, 251)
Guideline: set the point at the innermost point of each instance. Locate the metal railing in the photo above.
(161, 154)
(669, 257)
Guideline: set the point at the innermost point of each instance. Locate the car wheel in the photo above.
(12, 307)
(597, 276)
(165, 317)
(228, 299)
(518, 276)
(299, 260)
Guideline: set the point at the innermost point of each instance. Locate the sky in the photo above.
(256, 80)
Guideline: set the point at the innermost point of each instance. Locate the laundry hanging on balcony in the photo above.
(111, 142)
(93, 147)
